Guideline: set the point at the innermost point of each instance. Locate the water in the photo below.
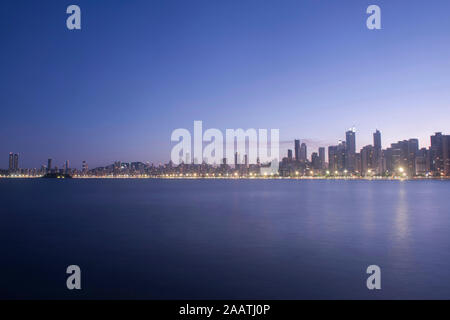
(230, 239)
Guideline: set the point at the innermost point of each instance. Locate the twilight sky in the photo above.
(137, 70)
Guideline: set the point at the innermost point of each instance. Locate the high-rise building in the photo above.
(303, 152)
(49, 165)
(322, 157)
(66, 166)
(297, 150)
(350, 141)
(332, 158)
(446, 154)
(358, 163)
(11, 162)
(367, 160)
(397, 157)
(413, 148)
(377, 151)
(16, 162)
(315, 161)
(290, 155)
(84, 167)
(437, 153)
(337, 157)
(341, 155)
(422, 163)
(377, 139)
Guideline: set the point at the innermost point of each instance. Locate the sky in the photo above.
(137, 70)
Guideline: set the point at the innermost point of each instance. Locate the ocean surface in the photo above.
(224, 239)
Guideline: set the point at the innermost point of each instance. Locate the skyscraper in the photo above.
(341, 155)
(290, 155)
(49, 165)
(297, 150)
(413, 148)
(367, 160)
(446, 154)
(16, 162)
(332, 158)
(377, 139)
(397, 157)
(421, 162)
(84, 167)
(437, 153)
(350, 141)
(11, 162)
(322, 157)
(377, 151)
(303, 152)
(315, 161)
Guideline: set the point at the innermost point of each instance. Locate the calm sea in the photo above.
(231, 239)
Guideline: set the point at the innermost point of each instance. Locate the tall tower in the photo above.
(11, 162)
(303, 152)
(350, 142)
(446, 154)
(437, 153)
(377, 139)
(377, 151)
(16, 162)
(322, 157)
(413, 149)
(49, 165)
(85, 167)
(297, 150)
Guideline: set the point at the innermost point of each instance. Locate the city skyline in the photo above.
(118, 87)
(404, 157)
(285, 145)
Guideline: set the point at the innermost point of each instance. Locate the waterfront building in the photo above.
(322, 157)
(437, 153)
(16, 162)
(303, 153)
(11, 162)
(350, 142)
(367, 160)
(422, 163)
(297, 150)
(378, 152)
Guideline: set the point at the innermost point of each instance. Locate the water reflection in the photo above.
(401, 213)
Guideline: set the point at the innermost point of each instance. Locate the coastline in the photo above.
(163, 177)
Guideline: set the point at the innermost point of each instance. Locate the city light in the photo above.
(401, 160)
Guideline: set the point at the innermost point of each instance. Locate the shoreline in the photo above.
(245, 178)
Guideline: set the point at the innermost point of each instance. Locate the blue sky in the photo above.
(137, 70)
